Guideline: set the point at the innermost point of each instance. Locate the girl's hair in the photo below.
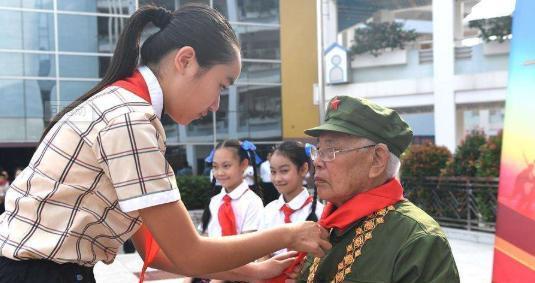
(198, 26)
(295, 151)
(242, 154)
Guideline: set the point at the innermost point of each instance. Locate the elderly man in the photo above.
(377, 235)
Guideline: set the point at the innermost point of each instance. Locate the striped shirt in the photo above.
(78, 199)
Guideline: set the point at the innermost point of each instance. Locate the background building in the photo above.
(446, 83)
(52, 51)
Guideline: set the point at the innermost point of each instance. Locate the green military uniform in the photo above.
(406, 245)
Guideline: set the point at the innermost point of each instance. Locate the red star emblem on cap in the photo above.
(335, 103)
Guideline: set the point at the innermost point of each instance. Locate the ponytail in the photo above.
(256, 187)
(206, 214)
(312, 215)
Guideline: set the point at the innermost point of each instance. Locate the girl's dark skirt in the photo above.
(43, 271)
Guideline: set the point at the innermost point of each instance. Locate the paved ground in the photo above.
(472, 251)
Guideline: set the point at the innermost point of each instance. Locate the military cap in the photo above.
(363, 118)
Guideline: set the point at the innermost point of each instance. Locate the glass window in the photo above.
(255, 72)
(422, 121)
(265, 11)
(124, 7)
(22, 110)
(486, 117)
(259, 42)
(201, 128)
(83, 66)
(171, 129)
(222, 117)
(70, 90)
(33, 31)
(89, 33)
(30, 4)
(259, 112)
(199, 153)
(176, 156)
(34, 65)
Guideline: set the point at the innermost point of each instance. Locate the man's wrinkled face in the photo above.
(340, 179)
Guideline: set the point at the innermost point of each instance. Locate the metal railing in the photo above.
(460, 202)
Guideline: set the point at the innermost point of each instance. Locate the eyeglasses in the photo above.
(329, 154)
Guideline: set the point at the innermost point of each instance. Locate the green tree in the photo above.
(488, 164)
(424, 160)
(465, 159)
(499, 27)
(194, 191)
(376, 37)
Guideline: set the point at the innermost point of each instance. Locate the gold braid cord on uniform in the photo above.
(363, 233)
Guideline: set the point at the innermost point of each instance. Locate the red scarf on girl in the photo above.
(354, 209)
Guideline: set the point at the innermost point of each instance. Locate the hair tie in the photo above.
(210, 156)
(250, 147)
(162, 18)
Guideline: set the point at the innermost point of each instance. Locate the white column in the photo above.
(458, 24)
(330, 22)
(443, 68)
(191, 157)
(182, 133)
(233, 112)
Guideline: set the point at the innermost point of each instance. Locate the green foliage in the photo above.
(488, 164)
(496, 27)
(194, 191)
(465, 160)
(376, 37)
(424, 160)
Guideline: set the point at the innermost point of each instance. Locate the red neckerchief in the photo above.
(351, 211)
(136, 84)
(288, 211)
(226, 217)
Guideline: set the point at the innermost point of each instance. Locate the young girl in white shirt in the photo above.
(289, 164)
(230, 160)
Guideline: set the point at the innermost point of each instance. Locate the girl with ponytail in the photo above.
(290, 163)
(99, 175)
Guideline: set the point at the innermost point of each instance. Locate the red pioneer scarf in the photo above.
(288, 211)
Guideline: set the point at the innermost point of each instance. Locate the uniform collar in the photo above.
(154, 88)
(296, 203)
(237, 192)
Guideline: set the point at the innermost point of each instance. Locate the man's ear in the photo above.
(381, 155)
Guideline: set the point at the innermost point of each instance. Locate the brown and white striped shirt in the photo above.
(77, 200)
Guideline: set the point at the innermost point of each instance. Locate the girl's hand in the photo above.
(309, 237)
(275, 266)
